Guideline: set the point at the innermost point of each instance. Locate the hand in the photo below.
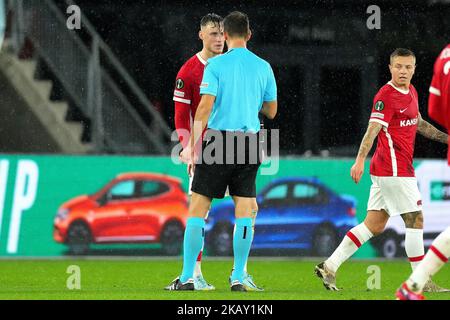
(191, 165)
(191, 169)
(193, 157)
(357, 171)
(185, 155)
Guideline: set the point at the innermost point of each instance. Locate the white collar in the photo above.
(398, 89)
(201, 59)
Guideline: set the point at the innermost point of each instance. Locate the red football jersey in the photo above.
(398, 111)
(187, 93)
(439, 99)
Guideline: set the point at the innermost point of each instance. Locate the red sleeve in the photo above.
(382, 110)
(182, 122)
(435, 108)
(182, 96)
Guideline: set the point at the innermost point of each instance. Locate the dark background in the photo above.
(328, 64)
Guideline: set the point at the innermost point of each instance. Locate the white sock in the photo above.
(354, 239)
(198, 264)
(414, 246)
(435, 258)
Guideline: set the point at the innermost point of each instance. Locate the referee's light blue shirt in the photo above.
(2, 21)
(241, 82)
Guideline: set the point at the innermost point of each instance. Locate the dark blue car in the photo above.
(294, 213)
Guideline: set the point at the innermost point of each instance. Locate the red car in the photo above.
(132, 208)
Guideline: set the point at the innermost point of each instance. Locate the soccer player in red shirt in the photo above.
(394, 121)
(186, 98)
(437, 256)
(439, 99)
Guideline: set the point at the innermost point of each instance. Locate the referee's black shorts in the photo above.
(232, 162)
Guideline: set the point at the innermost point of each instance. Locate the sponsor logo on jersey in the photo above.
(409, 122)
(179, 84)
(379, 106)
(179, 94)
(204, 85)
(377, 115)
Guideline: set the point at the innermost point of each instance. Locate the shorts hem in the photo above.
(243, 196)
(395, 214)
(207, 194)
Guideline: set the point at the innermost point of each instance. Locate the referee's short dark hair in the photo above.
(236, 24)
(401, 52)
(213, 18)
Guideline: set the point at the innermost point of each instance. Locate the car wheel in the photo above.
(221, 241)
(172, 238)
(388, 245)
(78, 238)
(324, 241)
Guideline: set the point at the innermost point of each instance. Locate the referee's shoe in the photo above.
(177, 285)
(248, 282)
(236, 285)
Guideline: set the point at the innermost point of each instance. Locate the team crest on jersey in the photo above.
(379, 106)
(179, 84)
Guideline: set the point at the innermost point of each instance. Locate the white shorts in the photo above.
(227, 192)
(395, 195)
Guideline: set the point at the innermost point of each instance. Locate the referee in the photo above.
(236, 87)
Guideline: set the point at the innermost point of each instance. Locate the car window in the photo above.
(305, 194)
(122, 190)
(278, 192)
(305, 191)
(153, 188)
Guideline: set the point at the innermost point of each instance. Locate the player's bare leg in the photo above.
(414, 246)
(373, 225)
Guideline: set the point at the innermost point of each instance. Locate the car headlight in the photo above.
(62, 214)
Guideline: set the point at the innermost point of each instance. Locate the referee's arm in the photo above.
(201, 118)
(269, 109)
(270, 104)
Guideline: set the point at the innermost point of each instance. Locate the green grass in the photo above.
(144, 279)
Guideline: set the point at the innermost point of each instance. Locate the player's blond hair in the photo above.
(401, 52)
(213, 18)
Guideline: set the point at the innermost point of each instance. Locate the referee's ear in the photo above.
(249, 36)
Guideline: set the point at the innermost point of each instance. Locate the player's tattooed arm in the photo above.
(367, 142)
(429, 131)
(357, 169)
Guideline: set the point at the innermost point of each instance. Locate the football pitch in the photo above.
(112, 279)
